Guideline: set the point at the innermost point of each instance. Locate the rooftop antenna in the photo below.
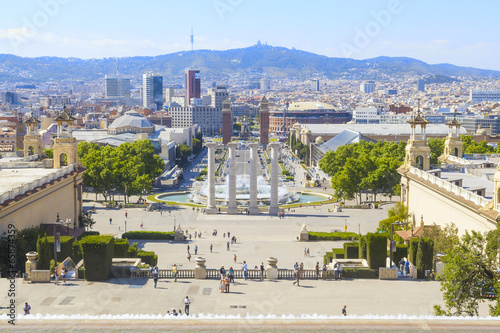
(192, 38)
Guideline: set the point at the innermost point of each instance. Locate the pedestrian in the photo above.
(174, 270)
(222, 284)
(228, 234)
(234, 258)
(110, 221)
(305, 252)
(174, 313)
(63, 275)
(402, 265)
(297, 277)
(56, 276)
(142, 224)
(219, 210)
(187, 302)
(155, 275)
(188, 248)
(180, 312)
(324, 272)
(196, 249)
(26, 308)
(126, 214)
(226, 283)
(308, 252)
(211, 247)
(317, 270)
(279, 215)
(195, 234)
(261, 271)
(222, 271)
(245, 270)
(228, 246)
(189, 257)
(336, 270)
(407, 266)
(344, 310)
(231, 274)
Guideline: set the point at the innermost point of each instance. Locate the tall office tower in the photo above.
(420, 85)
(264, 121)
(218, 95)
(169, 94)
(367, 87)
(265, 85)
(227, 122)
(117, 86)
(315, 85)
(152, 90)
(193, 85)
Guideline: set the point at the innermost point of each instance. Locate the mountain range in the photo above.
(271, 60)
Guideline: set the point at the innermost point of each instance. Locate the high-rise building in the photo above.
(315, 85)
(265, 84)
(193, 84)
(152, 90)
(208, 118)
(169, 94)
(117, 86)
(264, 121)
(227, 121)
(367, 87)
(218, 95)
(420, 85)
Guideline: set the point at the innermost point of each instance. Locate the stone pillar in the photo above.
(211, 208)
(32, 257)
(231, 205)
(200, 271)
(272, 268)
(253, 209)
(274, 206)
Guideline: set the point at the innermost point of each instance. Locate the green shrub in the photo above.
(338, 253)
(376, 250)
(401, 252)
(132, 251)
(327, 258)
(360, 273)
(120, 248)
(362, 247)
(332, 236)
(77, 252)
(154, 235)
(45, 249)
(200, 178)
(81, 272)
(290, 178)
(351, 250)
(148, 257)
(203, 172)
(88, 233)
(425, 256)
(412, 250)
(97, 256)
(285, 173)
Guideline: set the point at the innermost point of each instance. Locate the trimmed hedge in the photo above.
(132, 251)
(97, 255)
(77, 252)
(332, 236)
(401, 252)
(424, 256)
(362, 247)
(376, 250)
(360, 273)
(148, 257)
(154, 235)
(88, 233)
(120, 248)
(327, 258)
(338, 253)
(351, 250)
(412, 250)
(45, 249)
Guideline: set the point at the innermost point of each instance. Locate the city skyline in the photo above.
(434, 32)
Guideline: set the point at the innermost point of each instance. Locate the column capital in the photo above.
(211, 144)
(232, 144)
(253, 145)
(273, 145)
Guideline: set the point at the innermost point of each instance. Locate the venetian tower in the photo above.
(453, 146)
(32, 140)
(65, 147)
(418, 152)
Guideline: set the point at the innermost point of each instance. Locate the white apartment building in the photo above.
(218, 95)
(117, 86)
(366, 115)
(208, 118)
(478, 96)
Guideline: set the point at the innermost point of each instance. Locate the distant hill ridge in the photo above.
(273, 60)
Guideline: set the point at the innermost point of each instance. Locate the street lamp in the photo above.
(392, 247)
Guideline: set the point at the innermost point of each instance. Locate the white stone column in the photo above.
(231, 204)
(274, 206)
(211, 208)
(253, 209)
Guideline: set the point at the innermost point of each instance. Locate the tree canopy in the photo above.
(128, 168)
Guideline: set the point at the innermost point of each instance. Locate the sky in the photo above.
(460, 32)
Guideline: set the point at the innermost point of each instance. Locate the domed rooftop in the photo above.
(307, 131)
(131, 121)
(319, 139)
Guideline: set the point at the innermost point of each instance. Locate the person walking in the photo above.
(226, 283)
(187, 302)
(126, 215)
(402, 265)
(227, 246)
(344, 310)
(63, 275)
(26, 308)
(222, 284)
(188, 248)
(155, 275)
(196, 249)
(110, 220)
(324, 272)
(231, 274)
(297, 278)
(189, 257)
(261, 271)
(317, 270)
(142, 224)
(245, 270)
(211, 247)
(228, 234)
(222, 271)
(234, 258)
(174, 270)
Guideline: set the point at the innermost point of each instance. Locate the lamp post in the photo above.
(392, 231)
(55, 242)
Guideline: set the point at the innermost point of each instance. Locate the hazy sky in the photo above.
(461, 32)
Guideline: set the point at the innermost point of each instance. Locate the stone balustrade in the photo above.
(447, 186)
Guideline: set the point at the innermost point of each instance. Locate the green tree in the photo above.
(444, 238)
(397, 213)
(183, 153)
(49, 153)
(467, 272)
(437, 149)
(86, 220)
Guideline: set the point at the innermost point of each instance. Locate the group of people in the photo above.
(225, 279)
(61, 275)
(281, 215)
(337, 269)
(187, 303)
(404, 266)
